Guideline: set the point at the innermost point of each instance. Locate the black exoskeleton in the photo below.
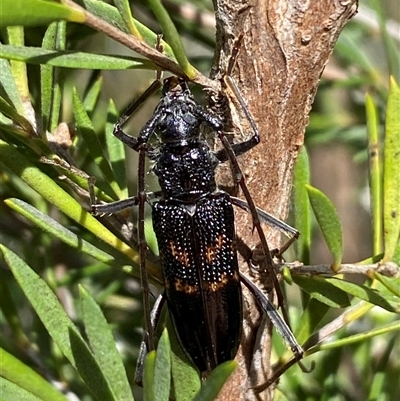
(194, 225)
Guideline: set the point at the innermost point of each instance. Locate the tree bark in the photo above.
(285, 47)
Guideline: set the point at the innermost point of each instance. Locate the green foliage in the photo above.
(36, 12)
(391, 169)
(328, 221)
(19, 381)
(52, 245)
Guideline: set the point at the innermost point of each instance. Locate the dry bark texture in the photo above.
(285, 48)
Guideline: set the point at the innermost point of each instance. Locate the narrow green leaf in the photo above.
(214, 383)
(36, 12)
(149, 376)
(287, 275)
(92, 95)
(185, 376)
(96, 150)
(89, 370)
(351, 314)
(389, 328)
(126, 14)
(328, 221)
(301, 206)
(312, 316)
(57, 230)
(49, 190)
(58, 79)
(323, 291)
(10, 87)
(361, 292)
(102, 344)
(47, 305)
(47, 76)
(393, 285)
(116, 151)
(377, 386)
(388, 292)
(72, 59)
(391, 173)
(375, 176)
(17, 118)
(396, 256)
(162, 371)
(390, 43)
(25, 378)
(172, 37)
(16, 37)
(58, 324)
(10, 391)
(12, 129)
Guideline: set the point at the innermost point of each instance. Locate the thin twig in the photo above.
(389, 269)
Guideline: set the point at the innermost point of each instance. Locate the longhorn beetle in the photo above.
(194, 224)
